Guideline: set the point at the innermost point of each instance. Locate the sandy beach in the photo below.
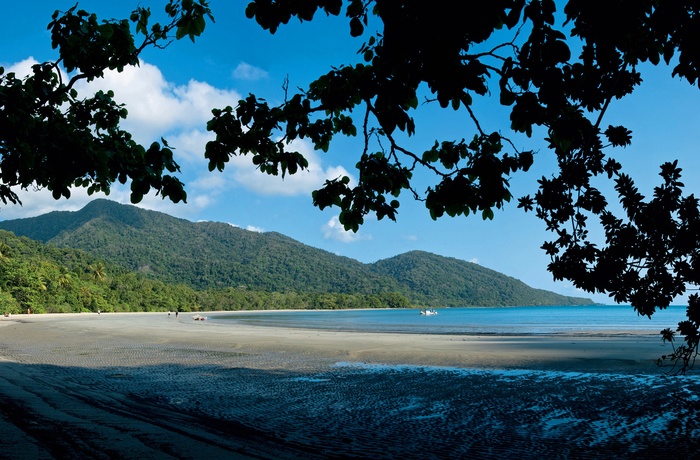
(146, 385)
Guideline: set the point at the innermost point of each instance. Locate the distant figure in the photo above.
(29, 311)
(176, 314)
(168, 313)
(98, 312)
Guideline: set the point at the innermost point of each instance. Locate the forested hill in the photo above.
(209, 255)
(43, 278)
(203, 254)
(463, 283)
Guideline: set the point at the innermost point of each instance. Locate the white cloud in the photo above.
(157, 107)
(179, 113)
(23, 68)
(210, 182)
(245, 173)
(333, 230)
(38, 202)
(474, 260)
(188, 146)
(250, 228)
(201, 202)
(245, 71)
(155, 202)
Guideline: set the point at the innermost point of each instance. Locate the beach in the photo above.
(149, 385)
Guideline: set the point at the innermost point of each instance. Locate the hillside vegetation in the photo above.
(202, 255)
(48, 279)
(458, 283)
(209, 256)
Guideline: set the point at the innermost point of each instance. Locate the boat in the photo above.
(428, 311)
(199, 318)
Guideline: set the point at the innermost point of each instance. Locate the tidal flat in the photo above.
(146, 385)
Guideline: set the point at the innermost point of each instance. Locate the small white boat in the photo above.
(428, 311)
(199, 318)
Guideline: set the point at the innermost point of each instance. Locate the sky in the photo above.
(172, 92)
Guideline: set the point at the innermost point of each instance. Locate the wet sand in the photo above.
(151, 386)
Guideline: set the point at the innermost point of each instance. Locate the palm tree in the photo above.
(42, 282)
(98, 271)
(64, 279)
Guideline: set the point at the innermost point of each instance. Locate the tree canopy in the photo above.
(556, 70)
(52, 137)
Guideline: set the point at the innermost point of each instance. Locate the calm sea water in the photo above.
(506, 320)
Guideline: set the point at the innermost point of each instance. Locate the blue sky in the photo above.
(171, 94)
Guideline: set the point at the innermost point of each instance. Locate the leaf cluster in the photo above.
(557, 72)
(421, 44)
(51, 137)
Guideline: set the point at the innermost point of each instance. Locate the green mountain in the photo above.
(202, 255)
(461, 283)
(43, 278)
(209, 255)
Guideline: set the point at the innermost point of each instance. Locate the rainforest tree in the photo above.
(556, 66)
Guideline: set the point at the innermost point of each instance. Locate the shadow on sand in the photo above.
(345, 411)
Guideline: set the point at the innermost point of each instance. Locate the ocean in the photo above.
(608, 319)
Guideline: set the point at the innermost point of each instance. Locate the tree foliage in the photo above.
(51, 137)
(555, 70)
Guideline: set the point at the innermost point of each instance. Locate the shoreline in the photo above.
(142, 385)
(599, 351)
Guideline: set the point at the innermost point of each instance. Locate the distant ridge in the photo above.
(463, 283)
(207, 255)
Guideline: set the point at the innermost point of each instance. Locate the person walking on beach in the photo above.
(176, 312)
